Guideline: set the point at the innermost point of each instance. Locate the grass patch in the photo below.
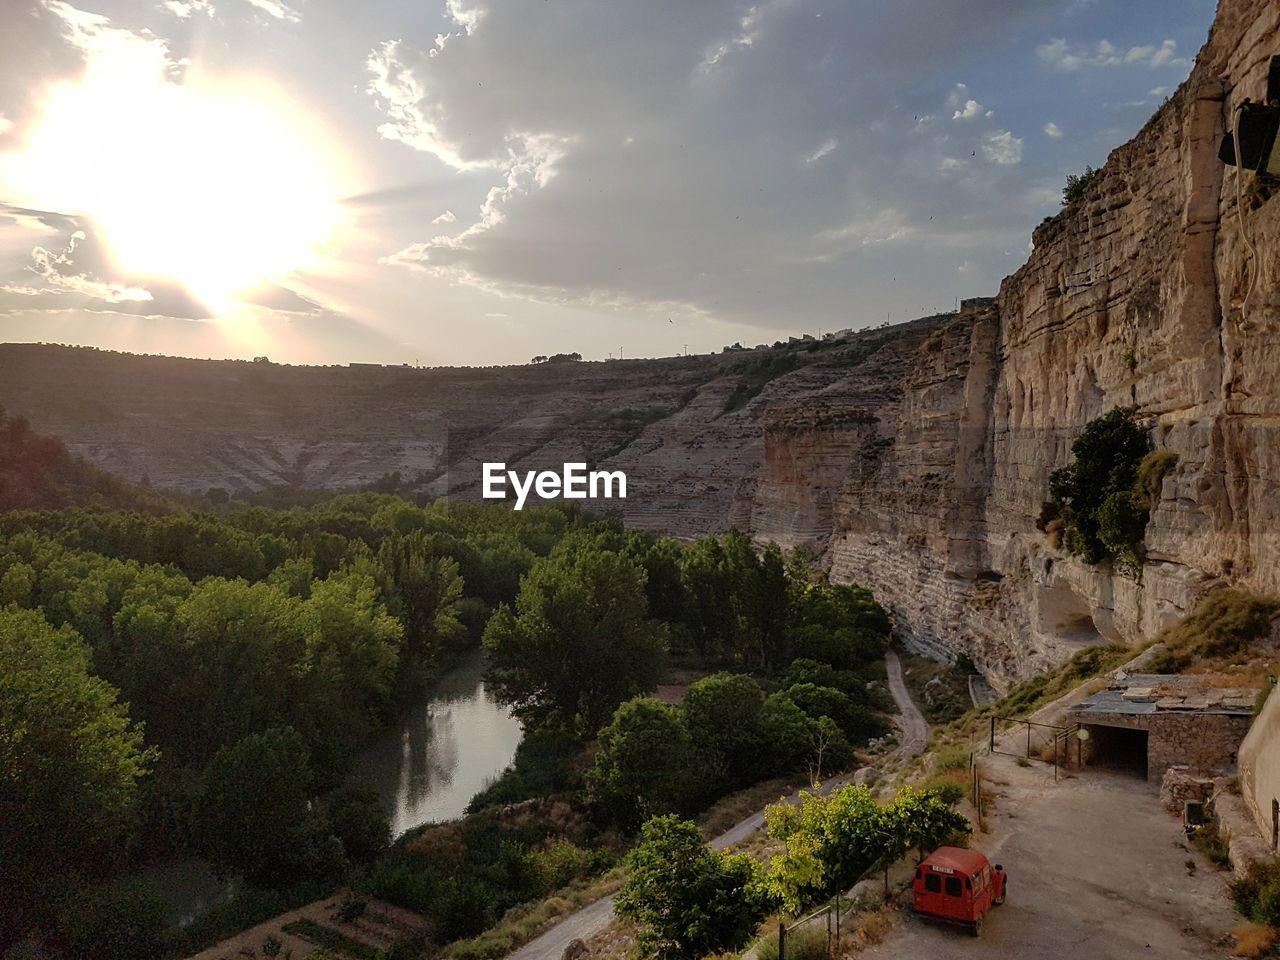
(1213, 845)
(807, 943)
(1257, 893)
(1029, 695)
(732, 809)
(1223, 626)
(1254, 940)
(331, 939)
(524, 923)
(940, 690)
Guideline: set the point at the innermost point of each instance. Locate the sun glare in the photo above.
(221, 187)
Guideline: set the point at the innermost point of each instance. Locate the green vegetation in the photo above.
(1223, 626)
(1078, 185)
(1030, 695)
(1209, 841)
(1100, 502)
(70, 761)
(1257, 893)
(831, 841)
(332, 939)
(37, 473)
(941, 690)
(580, 640)
(689, 900)
(201, 684)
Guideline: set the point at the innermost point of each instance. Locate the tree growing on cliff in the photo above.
(1094, 495)
(1078, 185)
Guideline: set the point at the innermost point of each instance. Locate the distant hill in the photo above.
(37, 473)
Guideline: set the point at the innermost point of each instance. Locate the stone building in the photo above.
(1260, 771)
(1148, 723)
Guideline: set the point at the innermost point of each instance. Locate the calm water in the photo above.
(443, 753)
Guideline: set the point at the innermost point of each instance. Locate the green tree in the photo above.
(579, 642)
(689, 900)
(70, 761)
(923, 820)
(254, 814)
(830, 842)
(642, 766)
(722, 712)
(1097, 487)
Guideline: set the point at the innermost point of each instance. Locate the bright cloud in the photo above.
(1063, 56)
(1052, 130)
(1003, 148)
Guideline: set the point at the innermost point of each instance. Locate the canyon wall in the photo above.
(914, 458)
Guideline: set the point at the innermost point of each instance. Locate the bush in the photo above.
(1257, 893)
(1078, 185)
(688, 899)
(1224, 625)
(806, 943)
(1103, 518)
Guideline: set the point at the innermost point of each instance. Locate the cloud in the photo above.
(183, 9)
(447, 217)
(824, 149)
(276, 9)
(1003, 148)
(970, 110)
(1062, 56)
(637, 155)
(1052, 130)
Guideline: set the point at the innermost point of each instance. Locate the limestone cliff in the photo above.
(915, 457)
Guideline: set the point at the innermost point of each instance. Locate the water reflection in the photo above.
(445, 751)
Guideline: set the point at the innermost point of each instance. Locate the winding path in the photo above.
(913, 735)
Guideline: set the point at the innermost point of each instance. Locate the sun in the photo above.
(220, 186)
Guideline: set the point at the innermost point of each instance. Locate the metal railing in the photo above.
(1042, 738)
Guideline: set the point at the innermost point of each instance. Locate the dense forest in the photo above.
(184, 683)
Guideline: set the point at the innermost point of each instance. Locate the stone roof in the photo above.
(1140, 694)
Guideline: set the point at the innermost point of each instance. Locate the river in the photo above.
(426, 768)
(443, 752)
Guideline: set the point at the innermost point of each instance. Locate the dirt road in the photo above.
(913, 733)
(1096, 870)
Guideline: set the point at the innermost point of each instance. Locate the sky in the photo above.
(481, 181)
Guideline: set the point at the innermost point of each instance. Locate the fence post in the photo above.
(991, 748)
(1028, 739)
(782, 941)
(837, 919)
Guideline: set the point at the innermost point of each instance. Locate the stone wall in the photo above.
(1260, 768)
(1203, 744)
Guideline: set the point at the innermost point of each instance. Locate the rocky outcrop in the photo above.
(915, 458)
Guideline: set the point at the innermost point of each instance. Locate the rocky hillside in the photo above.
(916, 457)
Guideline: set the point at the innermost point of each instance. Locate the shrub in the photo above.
(1213, 845)
(1078, 185)
(1155, 466)
(1254, 940)
(1257, 893)
(805, 943)
(1094, 495)
(1224, 625)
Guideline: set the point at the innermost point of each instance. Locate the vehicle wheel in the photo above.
(977, 927)
(1004, 892)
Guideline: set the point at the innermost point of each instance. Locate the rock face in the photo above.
(916, 458)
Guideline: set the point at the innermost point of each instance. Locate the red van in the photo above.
(959, 886)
